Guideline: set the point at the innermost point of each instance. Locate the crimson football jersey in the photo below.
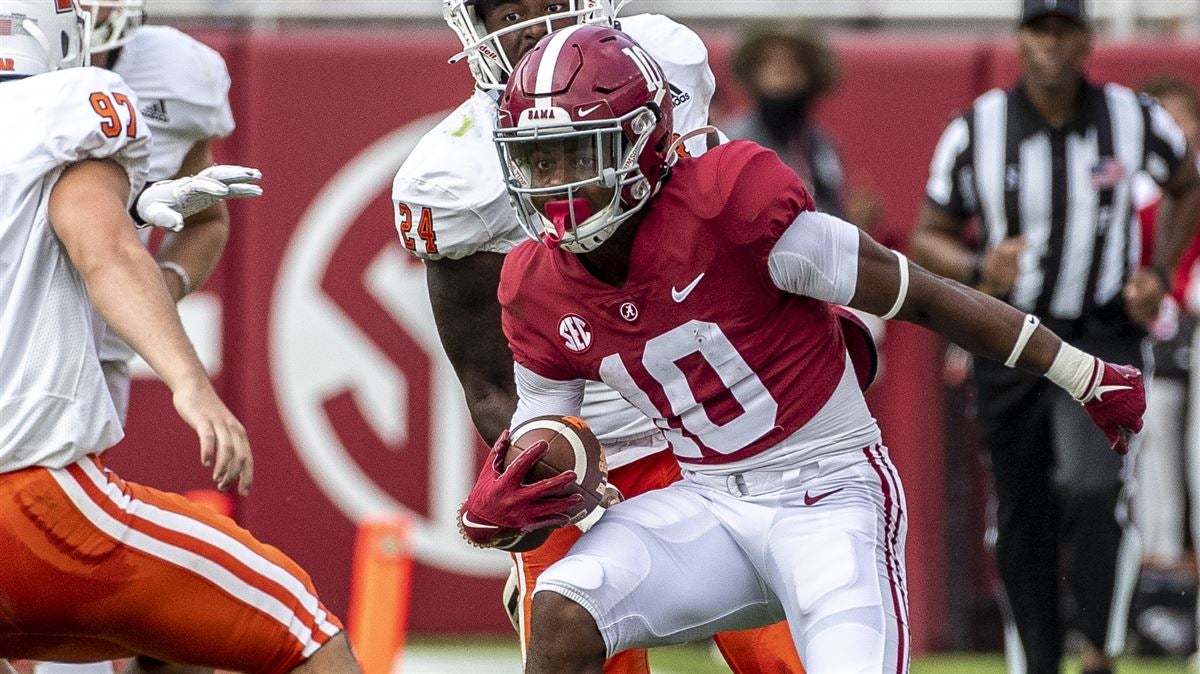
(699, 338)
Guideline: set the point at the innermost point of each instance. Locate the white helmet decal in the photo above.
(41, 36)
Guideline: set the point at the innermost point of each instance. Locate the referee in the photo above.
(1046, 169)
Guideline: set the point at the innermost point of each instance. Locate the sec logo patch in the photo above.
(576, 333)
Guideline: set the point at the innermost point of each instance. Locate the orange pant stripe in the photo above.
(185, 533)
(189, 543)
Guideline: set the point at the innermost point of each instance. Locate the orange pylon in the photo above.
(379, 591)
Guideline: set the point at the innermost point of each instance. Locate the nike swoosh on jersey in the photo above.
(810, 500)
(681, 295)
(1101, 390)
(475, 525)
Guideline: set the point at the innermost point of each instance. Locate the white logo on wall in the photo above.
(316, 350)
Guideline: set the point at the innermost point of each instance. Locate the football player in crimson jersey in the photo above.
(453, 212)
(95, 567)
(702, 290)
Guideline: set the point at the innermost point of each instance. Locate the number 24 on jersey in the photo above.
(424, 228)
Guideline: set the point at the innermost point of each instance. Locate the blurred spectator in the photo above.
(1160, 509)
(786, 72)
(1168, 463)
(1046, 167)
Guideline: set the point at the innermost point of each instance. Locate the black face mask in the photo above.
(783, 115)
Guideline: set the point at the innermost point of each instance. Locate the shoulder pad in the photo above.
(452, 183)
(738, 182)
(91, 110)
(164, 64)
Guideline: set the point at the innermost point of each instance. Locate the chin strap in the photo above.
(673, 151)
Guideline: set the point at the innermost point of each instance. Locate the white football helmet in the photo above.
(489, 64)
(118, 27)
(41, 36)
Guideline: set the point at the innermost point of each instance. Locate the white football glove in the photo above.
(166, 203)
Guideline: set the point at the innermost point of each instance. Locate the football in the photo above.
(572, 446)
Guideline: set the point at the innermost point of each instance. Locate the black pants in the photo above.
(1057, 487)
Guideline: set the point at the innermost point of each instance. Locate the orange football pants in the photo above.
(96, 568)
(766, 650)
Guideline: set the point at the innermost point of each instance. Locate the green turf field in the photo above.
(493, 656)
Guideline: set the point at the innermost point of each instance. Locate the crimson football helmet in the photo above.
(118, 27)
(585, 110)
(489, 64)
(44, 35)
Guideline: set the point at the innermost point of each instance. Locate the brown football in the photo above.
(573, 446)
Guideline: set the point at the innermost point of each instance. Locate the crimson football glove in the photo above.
(501, 505)
(1116, 400)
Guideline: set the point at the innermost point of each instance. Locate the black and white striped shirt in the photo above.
(1067, 191)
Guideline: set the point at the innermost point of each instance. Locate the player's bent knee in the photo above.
(564, 634)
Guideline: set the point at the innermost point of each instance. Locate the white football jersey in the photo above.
(183, 86)
(54, 405)
(450, 200)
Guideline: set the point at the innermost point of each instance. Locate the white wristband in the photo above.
(1075, 371)
(185, 280)
(1028, 327)
(903, 292)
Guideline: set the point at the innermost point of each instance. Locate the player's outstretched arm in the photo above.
(891, 286)
(88, 213)
(463, 295)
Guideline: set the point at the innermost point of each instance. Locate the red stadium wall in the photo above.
(326, 347)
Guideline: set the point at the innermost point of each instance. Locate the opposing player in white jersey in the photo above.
(183, 87)
(789, 505)
(452, 211)
(95, 567)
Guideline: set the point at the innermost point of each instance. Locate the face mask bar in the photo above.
(489, 63)
(118, 27)
(616, 169)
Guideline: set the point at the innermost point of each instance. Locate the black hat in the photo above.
(1072, 10)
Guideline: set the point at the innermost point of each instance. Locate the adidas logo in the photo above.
(679, 96)
(157, 111)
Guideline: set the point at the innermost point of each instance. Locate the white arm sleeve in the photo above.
(817, 256)
(537, 395)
